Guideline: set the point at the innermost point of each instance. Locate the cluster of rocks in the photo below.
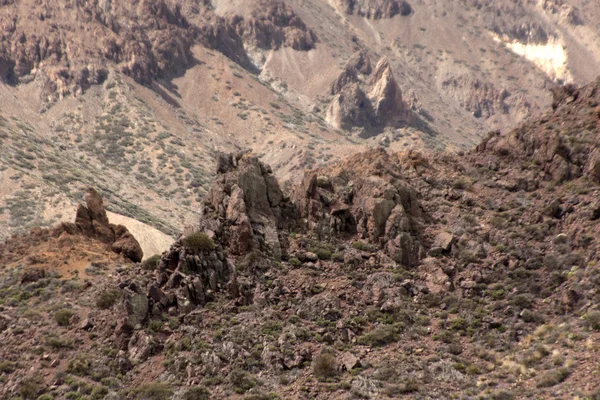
(367, 99)
(365, 198)
(91, 220)
(245, 209)
(376, 9)
(482, 99)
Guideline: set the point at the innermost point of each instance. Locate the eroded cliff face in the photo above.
(70, 46)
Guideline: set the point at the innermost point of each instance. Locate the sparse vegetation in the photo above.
(63, 317)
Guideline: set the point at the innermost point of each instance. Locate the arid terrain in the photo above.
(302, 199)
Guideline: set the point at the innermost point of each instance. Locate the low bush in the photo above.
(63, 317)
(325, 366)
(199, 241)
(151, 263)
(153, 391)
(380, 336)
(197, 393)
(107, 299)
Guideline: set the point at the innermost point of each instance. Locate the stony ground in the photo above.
(387, 275)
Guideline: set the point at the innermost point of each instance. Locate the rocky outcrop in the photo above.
(376, 9)
(361, 62)
(351, 108)
(273, 24)
(365, 198)
(566, 12)
(558, 148)
(245, 208)
(155, 41)
(371, 102)
(186, 279)
(91, 221)
(516, 20)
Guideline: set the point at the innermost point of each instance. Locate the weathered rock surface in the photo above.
(145, 40)
(482, 99)
(274, 24)
(365, 198)
(245, 208)
(559, 151)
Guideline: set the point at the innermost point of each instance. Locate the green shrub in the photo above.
(592, 320)
(199, 241)
(79, 366)
(294, 262)
(362, 246)
(45, 397)
(63, 317)
(197, 393)
(553, 377)
(30, 388)
(324, 366)
(151, 263)
(379, 336)
(322, 250)
(153, 391)
(98, 393)
(242, 381)
(107, 299)
(7, 367)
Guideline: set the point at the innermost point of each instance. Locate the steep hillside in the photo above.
(390, 274)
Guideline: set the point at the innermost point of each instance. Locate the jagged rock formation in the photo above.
(273, 25)
(376, 9)
(156, 41)
(371, 102)
(365, 197)
(482, 99)
(245, 208)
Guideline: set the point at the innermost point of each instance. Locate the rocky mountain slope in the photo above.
(390, 274)
(136, 98)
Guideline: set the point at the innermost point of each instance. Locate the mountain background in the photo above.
(136, 98)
